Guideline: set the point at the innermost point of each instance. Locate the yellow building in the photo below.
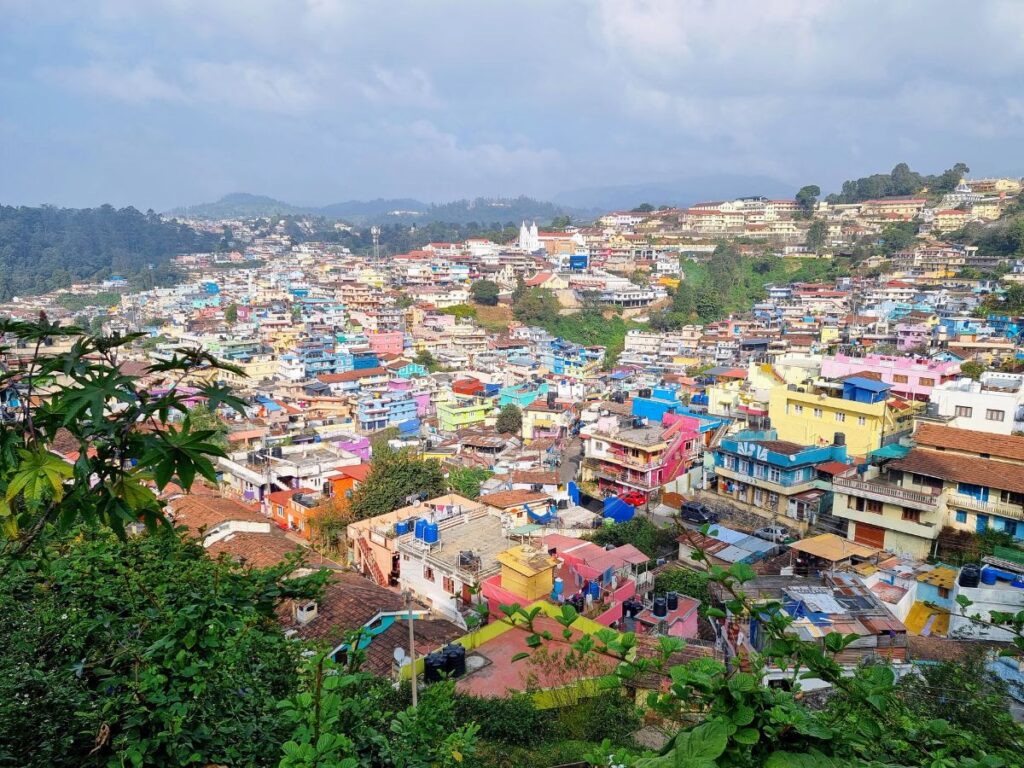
(526, 571)
(809, 417)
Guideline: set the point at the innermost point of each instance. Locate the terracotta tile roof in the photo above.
(961, 469)
(202, 511)
(504, 499)
(338, 378)
(781, 446)
(970, 441)
(357, 472)
(430, 635)
(535, 477)
(349, 601)
(259, 550)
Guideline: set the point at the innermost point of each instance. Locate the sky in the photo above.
(160, 103)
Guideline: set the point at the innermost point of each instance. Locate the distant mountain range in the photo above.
(391, 211)
(681, 193)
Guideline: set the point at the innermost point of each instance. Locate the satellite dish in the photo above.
(399, 654)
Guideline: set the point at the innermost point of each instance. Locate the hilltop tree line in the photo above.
(45, 248)
(899, 182)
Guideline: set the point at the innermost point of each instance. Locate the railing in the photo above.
(986, 506)
(368, 559)
(618, 476)
(631, 461)
(892, 493)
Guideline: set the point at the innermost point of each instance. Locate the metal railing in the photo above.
(888, 492)
(986, 506)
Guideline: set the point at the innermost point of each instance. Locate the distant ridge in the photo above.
(483, 210)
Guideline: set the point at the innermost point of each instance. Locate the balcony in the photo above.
(621, 477)
(633, 462)
(887, 493)
(890, 521)
(985, 507)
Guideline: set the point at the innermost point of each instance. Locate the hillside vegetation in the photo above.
(45, 248)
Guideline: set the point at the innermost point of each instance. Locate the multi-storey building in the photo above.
(638, 456)
(907, 376)
(862, 409)
(966, 479)
(776, 479)
(995, 403)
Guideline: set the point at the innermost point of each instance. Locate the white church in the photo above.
(529, 238)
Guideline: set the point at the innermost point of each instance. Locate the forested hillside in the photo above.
(900, 181)
(46, 248)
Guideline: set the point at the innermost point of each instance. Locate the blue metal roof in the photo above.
(869, 384)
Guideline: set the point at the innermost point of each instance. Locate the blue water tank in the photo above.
(431, 533)
(988, 576)
(556, 590)
(420, 527)
(401, 528)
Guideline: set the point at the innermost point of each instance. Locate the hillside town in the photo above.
(855, 435)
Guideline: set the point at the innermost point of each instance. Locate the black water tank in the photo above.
(660, 607)
(970, 576)
(455, 660)
(433, 666)
(551, 399)
(839, 439)
(645, 392)
(672, 601)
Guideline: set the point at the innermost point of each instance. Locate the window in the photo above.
(927, 382)
(944, 592)
(817, 413)
(774, 474)
(912, 515)
(840, 417)
(961, 516)
(798, 408)
(899, 379)
(993, 415)
(964, 410)
(449, 585)
(428, 573)
(874, 506)
(861, 421)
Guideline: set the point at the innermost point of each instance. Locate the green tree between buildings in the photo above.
(816, 234)
(395, 476)
(806, 199)
(204, 419)
(972, 369)
(510, 420)
(485, 292)
(231, 314)
(466, 481)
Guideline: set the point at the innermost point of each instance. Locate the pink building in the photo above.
(387, 342)
(910, 377)
(912, 335)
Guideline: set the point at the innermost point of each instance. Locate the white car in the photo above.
(773, 533)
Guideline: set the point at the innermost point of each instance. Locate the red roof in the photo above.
(337, 378)
(357, 472)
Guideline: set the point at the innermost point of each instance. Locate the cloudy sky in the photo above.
(158, 103)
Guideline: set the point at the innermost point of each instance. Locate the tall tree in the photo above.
(510, 420)
(395, 476)
(806, 198)
(816, 235)
(485, 292)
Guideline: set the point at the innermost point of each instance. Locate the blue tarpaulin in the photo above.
(618, 510)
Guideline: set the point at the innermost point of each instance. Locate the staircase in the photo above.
(366, 555)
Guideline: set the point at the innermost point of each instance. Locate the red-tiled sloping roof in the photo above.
(503, 499)
(970, 441)
(338, 378)
(962, 469)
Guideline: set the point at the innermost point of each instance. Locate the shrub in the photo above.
(512, 720)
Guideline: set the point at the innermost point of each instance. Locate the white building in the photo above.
(993, 404)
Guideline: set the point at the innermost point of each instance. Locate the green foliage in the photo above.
(899, 182)
(75, 302)
(641, 533)
(466, 481)
(510, 420)
(816, 234)
(231, 314)
(98, 409)
(203, 419)
(45, 248)
(393, 477)
(898, 236)
(485, 292)
(685, 581)
(806, 199)
(643, 208)
(513, 720)
(972, 369)
(461, 311)
(610, 715)
(142, 652)
(537, 306)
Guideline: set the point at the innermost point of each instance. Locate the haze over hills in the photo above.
(391, 210)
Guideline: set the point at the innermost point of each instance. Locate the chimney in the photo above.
(305, 612)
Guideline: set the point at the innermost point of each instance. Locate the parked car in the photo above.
(695, 512)
(773, 533)
(633, 498)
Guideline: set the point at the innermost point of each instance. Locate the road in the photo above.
(571, 458)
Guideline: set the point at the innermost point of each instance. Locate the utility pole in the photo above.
(412, 651)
